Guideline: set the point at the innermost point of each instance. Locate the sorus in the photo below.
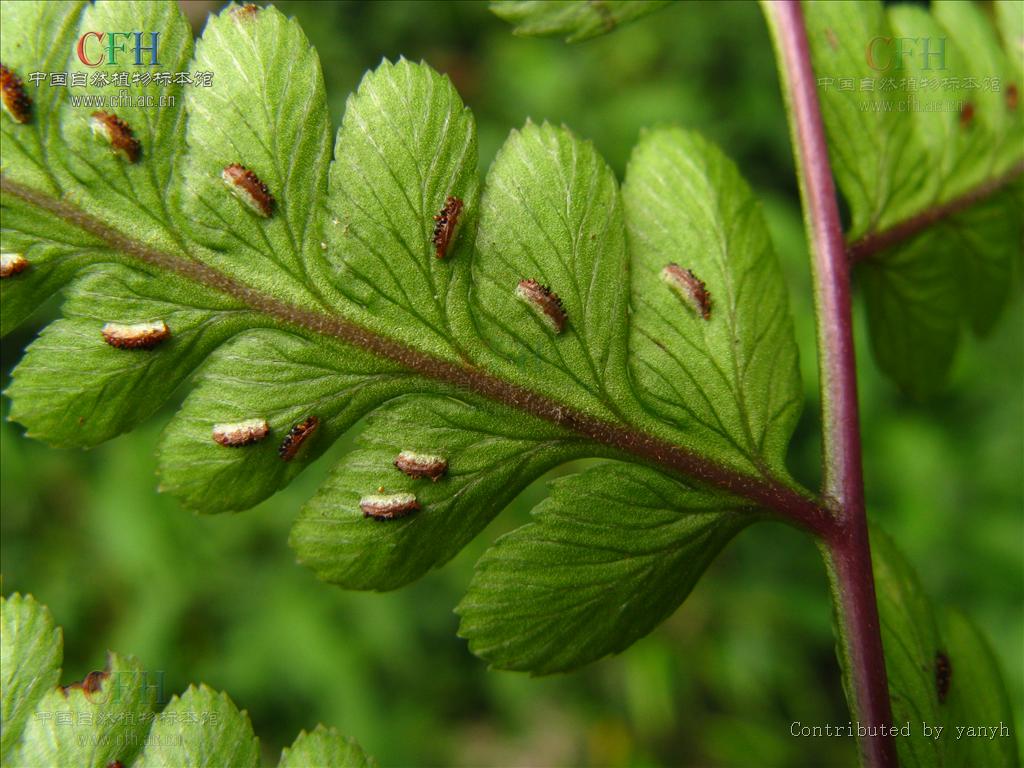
(245, 12)
(118, 134)
(419, 465)
(689, 288)
(242, 433)
(296, 436)
(12, 264)
(543, 302)
(388, 506)
(943, 675)
(966, 114)
(135, 335)
(446, 228)
(247, 187)
(15, 101)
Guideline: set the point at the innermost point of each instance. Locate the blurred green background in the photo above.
(221, 600)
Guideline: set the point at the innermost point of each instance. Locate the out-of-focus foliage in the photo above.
(941, 673)
(576, 21)
(723, 679)
(914, 124)
(109, 718)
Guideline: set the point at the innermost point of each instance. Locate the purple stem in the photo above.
(848, 551)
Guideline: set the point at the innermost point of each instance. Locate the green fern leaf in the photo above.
(110, 717)
(609, 556)
(941, 673)
(32, 649)
(575, 21)
(497, 329)
(929, 160)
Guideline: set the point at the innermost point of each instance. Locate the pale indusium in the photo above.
(249, 188)
(136, 335)
(118, 134)
(420, 465)
(389, 506)
(688, 287)
(12, 264)
(241, 433)
(544, 302)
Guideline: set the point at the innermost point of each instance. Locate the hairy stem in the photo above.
(874, 243)
(848, 554)
(787, 503)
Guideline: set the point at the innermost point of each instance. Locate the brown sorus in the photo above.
(446, 227)
(420, 465)
(296, 436)
(118, 134)
(12, 264)
(544, 302)
(240, 433)
(16, 102)
(247, 187)
(689, 288)
(388, 506)
(91, 683)
(245, 12)
(966, 114)
(943, 675)
(135, 335)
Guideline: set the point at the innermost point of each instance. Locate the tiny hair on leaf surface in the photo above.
(113, 716)
(934, 190)
(294, 294)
